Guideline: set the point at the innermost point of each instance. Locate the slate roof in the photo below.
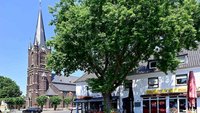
(193, 61)
(63, 79)
(50, 92)
(193, 58)
(65, 86)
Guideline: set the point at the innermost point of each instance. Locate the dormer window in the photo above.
(152, 64)
(183, 59)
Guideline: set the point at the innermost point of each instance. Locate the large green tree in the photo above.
(41, 100)
(8, 88)
(111, 37)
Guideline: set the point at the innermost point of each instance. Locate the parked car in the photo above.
(32, 110)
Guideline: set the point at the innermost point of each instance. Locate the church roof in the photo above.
(63, 79)
(64, 83)
(40, 38)
(50, 92)
(65, 87)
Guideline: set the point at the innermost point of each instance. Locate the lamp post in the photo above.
(87, 88)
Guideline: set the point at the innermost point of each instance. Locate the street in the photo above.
(49, 111)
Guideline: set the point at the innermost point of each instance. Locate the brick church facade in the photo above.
(40, 81)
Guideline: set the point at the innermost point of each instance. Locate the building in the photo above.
(40, 81)
(151, 91)
(121, 98)
(156, 92)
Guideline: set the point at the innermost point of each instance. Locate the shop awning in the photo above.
(95, 99)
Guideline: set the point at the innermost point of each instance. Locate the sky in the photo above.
(18, 20)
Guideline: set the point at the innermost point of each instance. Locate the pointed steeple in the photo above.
(40, 38)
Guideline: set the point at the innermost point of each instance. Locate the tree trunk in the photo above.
(107, 102)
(55, 106)
(42, 107)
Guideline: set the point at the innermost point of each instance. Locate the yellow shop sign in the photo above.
(170, 90)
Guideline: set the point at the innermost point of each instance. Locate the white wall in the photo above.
(120, 91)
(81, 90)
(140, 85)
(140, 82)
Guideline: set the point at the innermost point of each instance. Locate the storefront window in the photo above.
(182, 105)
(162, 106)
(145, 106)
(153, 106)
(177, 105)
(173, 106)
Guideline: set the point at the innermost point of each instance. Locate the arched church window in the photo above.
(31, 79)
(32, 59)
(42, 58)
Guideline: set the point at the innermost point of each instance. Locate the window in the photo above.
(145, 106)
(181, 79)
(178, 104)
(154, 105)
(183, 59)
(42, 58)
(153, 82)
(152, 64)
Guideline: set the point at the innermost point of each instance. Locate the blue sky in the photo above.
(17, 28)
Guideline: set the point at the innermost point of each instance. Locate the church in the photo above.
(40, 80)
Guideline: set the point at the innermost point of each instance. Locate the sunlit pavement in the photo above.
(48, 111)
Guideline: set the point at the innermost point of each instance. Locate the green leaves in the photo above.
(55, 100)
(8, 88)
(41, 100)
(17, 101)
(68, 100)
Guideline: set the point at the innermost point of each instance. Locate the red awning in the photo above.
(192, 90)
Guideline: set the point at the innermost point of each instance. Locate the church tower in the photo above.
(39, 77)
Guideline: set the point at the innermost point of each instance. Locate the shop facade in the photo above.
(153, 91)
(157, 92)
(122, 97)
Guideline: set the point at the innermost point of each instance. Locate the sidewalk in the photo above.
(48, 111)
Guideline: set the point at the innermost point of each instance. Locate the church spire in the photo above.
(40, 38)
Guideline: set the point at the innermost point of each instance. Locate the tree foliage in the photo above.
(19, 101)
(111, 37)
(55, 100)
(8, 88)
(41, 100)
(10, 101)
(68, 100)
